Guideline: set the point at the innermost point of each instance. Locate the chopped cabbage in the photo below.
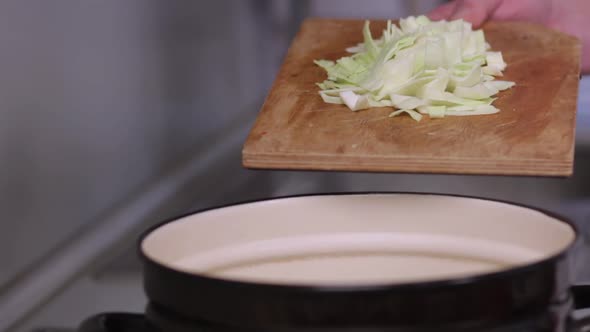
(415, 115)
(421, 67)
(435, 111)
(355, 102)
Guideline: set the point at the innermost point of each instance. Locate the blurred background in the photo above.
(115, 115)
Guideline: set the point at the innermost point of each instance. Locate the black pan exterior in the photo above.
(480, 302)
(460, 304)
(554, 319)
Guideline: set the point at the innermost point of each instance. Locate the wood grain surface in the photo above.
(533, 135)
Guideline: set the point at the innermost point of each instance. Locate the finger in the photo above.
(476, 11)
(443, 12)
(525, 10)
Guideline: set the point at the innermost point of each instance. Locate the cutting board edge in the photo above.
(417, 166)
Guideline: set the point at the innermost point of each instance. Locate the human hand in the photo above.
(569, 16)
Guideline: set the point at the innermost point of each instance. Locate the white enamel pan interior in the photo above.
(359, 239)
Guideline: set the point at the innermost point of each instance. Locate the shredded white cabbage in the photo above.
(415, 115)
(421, 67)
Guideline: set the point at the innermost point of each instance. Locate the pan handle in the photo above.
(581, 294)
(116, 322)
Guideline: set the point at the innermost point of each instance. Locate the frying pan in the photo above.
(359, 262)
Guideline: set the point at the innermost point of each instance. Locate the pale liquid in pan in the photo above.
(366, 269)
(361, 259)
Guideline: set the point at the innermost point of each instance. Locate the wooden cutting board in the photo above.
(533, 135)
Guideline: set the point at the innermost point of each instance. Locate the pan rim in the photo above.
(352, 288)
